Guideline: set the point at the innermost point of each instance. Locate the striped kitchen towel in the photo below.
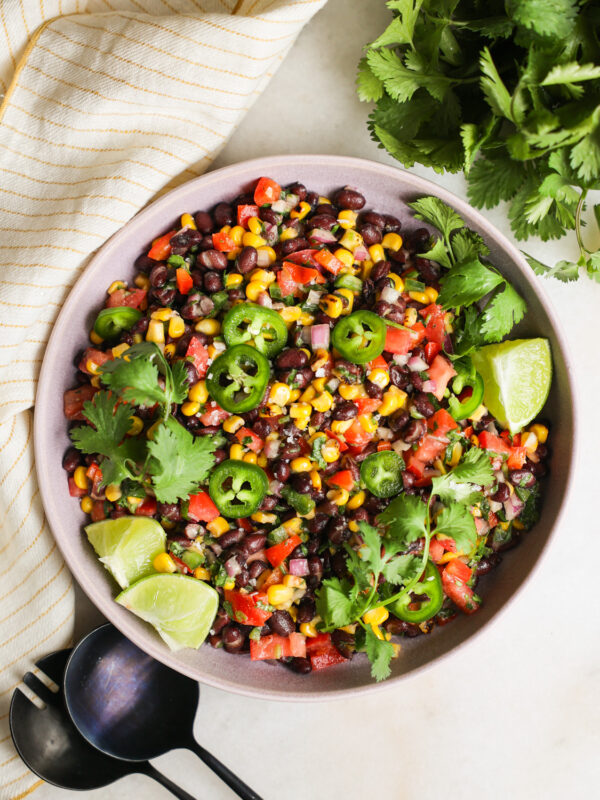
(107, 103)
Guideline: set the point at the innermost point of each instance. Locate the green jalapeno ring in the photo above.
(110, 322)
(237, 379)
(430, 586)
(471, 404)
(359, 337)
(382, 473)
(237, 488)
(250, 322)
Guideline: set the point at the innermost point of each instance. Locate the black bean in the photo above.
(317, 419)
(232, 638)
(338, 565)
(344, 643)
(428, 270)
(315, 567)
(318, 523)
(539, 470)
(270, 216)
(203, 222)
(299, 189)
(367, 294)
(349, 198)
(206, 244)
(212, 282)
(382, 308)
(373, 390)
(408, 479)
(144, 263)
(359, 515)
(370, 448)
(370, 234)
(303, 378)
(268, 504)
(242, 578)
(324, 221)
(380, 270)
(252, 543)
(398, 421)
(395, 315)
(328, 508)
(312, 198)
(281, 470)
(398, 256)
(291, 359)
(345, 410)
(170, 511)
(338, 531)
(501, 494)
(418, 240)
(223, 214)
(487, 564)
(423, 405)
(71, 460)
(289, 451)
(373, 218)
(398, 627)
(301, 482)
(350, 464)
(181, 242)
(414, 430)
(292, 246)
(306, 610)
(212, 259)
(158, 275)
(280, 622)
(354, 370)
(256, 568)
(300, 665)
(247, 259)
(163, 296)
(375, 505)
(417, 381)
(522, 478)
(219, 455)
(231, 537)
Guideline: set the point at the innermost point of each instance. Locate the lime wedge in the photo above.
(181, 609)
(517, 376)
(127, 546)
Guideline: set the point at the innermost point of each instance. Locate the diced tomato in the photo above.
(98, 513)
(304, 257)
(213, 414)
(455, 586)
(246, 212)
(75, 398)
(439, 545)
(184, 280)
(341, 442)
(244, 522)
(366, 405)
(201, 508)
(181, 565)
(223, 242)
(441, 422)
(161, 247)
(122, 297)
(431, 351)
(94, 473)
(488, 441)
(458, 569)
(269, 577)
(315, 642)
(383, 446)
(516, 458)
(246, 607)
(95, 357)
(147, 508)
(275, 646)
(198, 354)
(322, 652)
(492, 519)
(267, 191)
(328, 261)
(255, 444)
(428, 450)
(279, 552)
(292, 276)
(356, 435)
(74, 490)
(343, 479)
(287, 285)
(440, 371)
(398, 340)
(435, 332)
(378, 363)
(427, 475)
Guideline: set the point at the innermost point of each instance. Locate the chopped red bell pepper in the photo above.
(440, 371)
(74, 399)
(383, 446)
(161, 247)
(356, 435)
(198, 354)
(147, 508)
(488, 441)
(441, 422)
(431, 351)
(279, 552)
(74, 490)
(366, 405)
(398, 340)
(97, 359)
(213, 414)
(275, 646)
(267, 191)
(303, 257)
(247, 607)
(246, 212)
(184, 280)
(378, 363)
(123, 297)
(222, 242)
(255, 444)
(341, 442)
(201, 508)
(517, 457)
(328, 261)
(435, 331)
(343, 479)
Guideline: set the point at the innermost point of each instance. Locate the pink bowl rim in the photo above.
(263, 166)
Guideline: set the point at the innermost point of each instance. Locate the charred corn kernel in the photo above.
(432, 294)
(397, 281)
(345, 256)
(254, 289)
(176, 327)
(86, 504)
(301, 464)
(474, 439)
(264, 518)
(456, 454)
(349, 391)
(309, 629)
(302, 210)
(368, 423)
(356, 501)
(170, 350)
(233, 280)
(290, 314)
(155, 332)
(95, 381)
(271, 254)
(380, 377)
(393, 400)
(331, 305)
(392, 241)
(315, 479)
(202, 574)
(187, 221)
(319, 384)
(295, 395)
(347, 218)
(233, 424)
(529, 441)
(280, 394)
(308, 394)
(80, 478)
(250, 239)
(262, 276)
(347, 297)
(287, 234)
(135, 427)
(236, 235)
(410, 317)
(376, 616)
(262, 460)
(353, 526)
(152, 429)
(419, 297)
(236, 452)
(250, 458)
(255, 225)
(116, 285)
(162, 314)
(541, 431)
(119, 350)
(164, 563)
(341, 426)
(351, 239)
(338, 496)
(280, 594)
(439, 465)
(189, 409)
(198, 393)
(138, 338)
(322, 402)
(376, 253)
(324, 201)
(142, 281)
(518, 525)
(211, 327)
(94, 338)
(113, 492)
(330, 451)
(218, 527)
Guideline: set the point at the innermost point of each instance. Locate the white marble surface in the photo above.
(514, 714)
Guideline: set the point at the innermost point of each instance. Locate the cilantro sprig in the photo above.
(383, 553)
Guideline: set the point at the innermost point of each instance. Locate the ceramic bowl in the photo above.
(386, 189)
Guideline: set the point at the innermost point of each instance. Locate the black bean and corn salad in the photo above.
(287, 391)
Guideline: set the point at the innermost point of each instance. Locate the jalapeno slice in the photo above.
(111, 321)
(359, 337)
(237, 488)
(264, 327)
(430, 588)
(237, 379)
(382, 473)
(470, 404)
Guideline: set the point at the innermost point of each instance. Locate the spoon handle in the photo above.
(147, 769)
(235, 784)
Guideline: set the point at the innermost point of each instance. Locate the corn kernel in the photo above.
(187, 221)
(439, 465)
(287, 234)
(410, 317)
(176, 327)
(353, 526)
(264, 518)
(479, 412)
(330, 451)
(270, 253)
(236, 235)
(357, 500)
(233, 280)
(392, 241)
(236, 452)
(155, 332)
(306, 319)
(303, 210)
(92, 367)
(250, 458)
(529, 441)
(380, 377)
(376, 253)
(198, 393)
(365, 270)
(347, 218)
(376, 616)
(164, 563)
(138, 338)
(309, 630)
(295, 395)
(255, 225)
(541, 431)
(115, 286)
(397, 281)
(302, 423)
(319, 384)
(315, 479)
(301, 464)
(338, 496)
(253, 240)
(322, 402)
(290, 314)
(211, 327)
(95, 382)
(113, 492)
(189, 409)
(265, 276)
(432, 294)
(202, 574)
(232, 255)
(118, 351)
(279, 594)
(341, 426)
(293, 525)
(142, 281)
(294, 581)
(280, 394)
(170, 350)
(474, 439)
(349, 391)
(308, 394)
(393, 400)
(217, 527)
(136, 426)
(86, 504)
(419, 297)
(80, 478)
(368, 423)
(94, 338)
(152, 430)
(233, 424)
(455, 457)
(162, 314)
(262, 461)
(518, 525)
(324, 201)
(347, 298)
(254, 289)
(345, 256)
(298, 410)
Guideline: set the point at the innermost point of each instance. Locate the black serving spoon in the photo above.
(130, 706)
(51, 746)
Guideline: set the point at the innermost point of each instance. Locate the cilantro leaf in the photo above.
(179, 462)
(474, 468)
(467, 246)
(136, 381)
(505, 310)
(405, 520)
(370, 552)
(401, 569)
(493, 87)
(467, 283)
(554, 18)
(564, 271)
(180, 386)
(438, 214)
(460, 485)
(456, 521)
(572, 72)
(439, 252)
(380, 654)
(368, 85)
(333, 604)
(494, 179)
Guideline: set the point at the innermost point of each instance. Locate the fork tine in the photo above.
(40, 689)
(53, 665)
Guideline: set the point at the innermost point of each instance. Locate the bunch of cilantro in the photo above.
(506, 90)
(171, 464)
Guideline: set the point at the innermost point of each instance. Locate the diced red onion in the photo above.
(319, 337)
(270, 233)
(385, 433)
(482, 526)
(191, 530)
(271, 448)
(399, 446)
(232, 568)
(305, 335)
(205, 305)
(280, 206)
(275, 487)
(264, 299)
(332, 384)
(321, 236)
(416, 364)
(262, 258)
(313, 297)
(513, 507)
(389, 294)
(401, 359)
(495, 505)
(299, 566)
(429, 386)
(360, 253)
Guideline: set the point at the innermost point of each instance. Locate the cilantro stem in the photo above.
(584, 252)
